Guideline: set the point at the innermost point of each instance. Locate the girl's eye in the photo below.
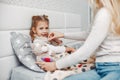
(46, 27)
(40, 28)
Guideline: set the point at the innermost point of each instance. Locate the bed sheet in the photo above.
(22, 73)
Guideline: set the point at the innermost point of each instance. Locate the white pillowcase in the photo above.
(21, 44)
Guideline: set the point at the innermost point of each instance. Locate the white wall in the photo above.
(14, 17)
(79, 7)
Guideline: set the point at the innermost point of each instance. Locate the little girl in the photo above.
(43, 49)
(52, 51)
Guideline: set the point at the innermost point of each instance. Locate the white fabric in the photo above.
(56, 49)
(41, 45)
(6, 65)
(58, 75)
(7, 58)
(23, 73)
(5, 44)
(97, 35)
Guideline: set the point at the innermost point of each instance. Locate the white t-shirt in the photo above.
(98, 39)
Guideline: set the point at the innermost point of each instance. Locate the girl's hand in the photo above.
(47, 66)
(70, 49)
(56, 41)
(54, 35)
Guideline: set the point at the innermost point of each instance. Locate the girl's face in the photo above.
(42, 29)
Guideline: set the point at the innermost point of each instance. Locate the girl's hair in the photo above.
(35, 20)
(114, 7)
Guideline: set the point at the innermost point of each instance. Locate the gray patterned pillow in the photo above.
(21, 45)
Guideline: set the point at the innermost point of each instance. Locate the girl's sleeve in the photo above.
(98, 33)
(56, 49)
(36, 47)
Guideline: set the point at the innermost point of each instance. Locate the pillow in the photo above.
(21, 44)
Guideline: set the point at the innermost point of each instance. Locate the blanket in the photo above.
(82, 66)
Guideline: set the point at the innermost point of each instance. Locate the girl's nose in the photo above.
(45, 30)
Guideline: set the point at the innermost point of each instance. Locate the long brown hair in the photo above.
(35, 20)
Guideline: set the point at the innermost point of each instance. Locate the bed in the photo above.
(18, 19)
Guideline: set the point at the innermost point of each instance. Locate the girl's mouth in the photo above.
(45, 34)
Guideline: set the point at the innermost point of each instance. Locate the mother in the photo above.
(104, 37)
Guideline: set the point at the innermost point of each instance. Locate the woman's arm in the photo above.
(81, 36)
(75, 36)
(98, 33)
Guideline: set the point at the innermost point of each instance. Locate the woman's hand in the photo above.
(54, 35)
(47, 66)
